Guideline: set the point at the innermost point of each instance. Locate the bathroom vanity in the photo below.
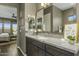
(37, 45)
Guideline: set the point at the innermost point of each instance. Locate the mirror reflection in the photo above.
(51, 18)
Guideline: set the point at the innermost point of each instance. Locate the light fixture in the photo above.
(13, 15)
(45, 4)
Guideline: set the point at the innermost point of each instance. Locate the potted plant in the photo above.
(71, 39)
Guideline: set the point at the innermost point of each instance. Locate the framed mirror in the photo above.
(55, 16)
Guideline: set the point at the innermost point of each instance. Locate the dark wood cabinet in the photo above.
(28, 46)
(41, 52)
(39, 47)
(38, 44)
(36, 48)
(48, 54)
(57, 51)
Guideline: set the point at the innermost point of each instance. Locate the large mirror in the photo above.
(62, 13)
(47, 22)
(55, 16)
(31, 24)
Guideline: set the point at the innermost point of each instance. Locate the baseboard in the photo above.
(21, 51)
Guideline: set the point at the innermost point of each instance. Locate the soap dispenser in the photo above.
(60, 29)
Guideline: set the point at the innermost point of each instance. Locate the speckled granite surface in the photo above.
(56, 41)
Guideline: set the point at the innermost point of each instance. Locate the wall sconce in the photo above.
(45, 4)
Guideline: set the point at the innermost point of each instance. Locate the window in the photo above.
(14, 27)
(7, 27)
(72, 18)
(0, 27)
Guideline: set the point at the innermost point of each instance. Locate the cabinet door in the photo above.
(28, 46)
(34, 50)
(57, 52)
(38, 44)
(29, 51)
(40, 47)
(41, 52)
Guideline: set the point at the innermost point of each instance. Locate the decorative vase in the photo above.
(71, 41)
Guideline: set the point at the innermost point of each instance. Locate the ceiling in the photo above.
(7, 11)
(63, 6)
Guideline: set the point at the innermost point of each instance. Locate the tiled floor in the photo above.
(8, 50)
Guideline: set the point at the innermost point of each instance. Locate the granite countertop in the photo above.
(57, 42)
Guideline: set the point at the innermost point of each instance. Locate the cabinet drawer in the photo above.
(57, 52)
(47, 54)
(38, 44)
